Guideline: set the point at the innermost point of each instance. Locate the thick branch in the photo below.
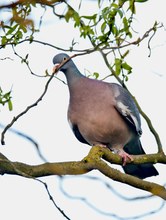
(92, 161)
(138, 159)
(116, 175)
(45, 169)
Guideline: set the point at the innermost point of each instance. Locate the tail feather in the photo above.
(139, 170)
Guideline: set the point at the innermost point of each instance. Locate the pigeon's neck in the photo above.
(72, 75)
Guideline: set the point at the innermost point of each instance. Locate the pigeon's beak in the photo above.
(56, 68)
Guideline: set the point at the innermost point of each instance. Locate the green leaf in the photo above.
(77, 20)
(127, 67)
(46, 73)
(12, 29)
(6, 95)
(31, 39)
(115, 30)
(103, 27)
(125, 23)
(118, 63)
(99, 1)
(10, 105)
(126, 78)
(125, 54)
(120, 13)
(6, 98)
(23, 28)
(90, 17)
(141, 1)
(96, 75)
(4, 40)
(69, 14)
(26, 57)
(132, 6)
(86, 30)
(126, 28)
(19, 35)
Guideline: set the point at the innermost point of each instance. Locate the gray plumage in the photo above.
(105, 114)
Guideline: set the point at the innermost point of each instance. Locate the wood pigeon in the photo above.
(104, 114)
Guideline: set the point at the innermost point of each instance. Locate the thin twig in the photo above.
(52, 199)
(24, 60)
(95, 47)
(36, 102)
(26, 110)
(92, 206)
(18, 171)
(150, 125)
(28, 138)
(5, 58)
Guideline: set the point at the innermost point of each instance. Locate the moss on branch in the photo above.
(94, 160)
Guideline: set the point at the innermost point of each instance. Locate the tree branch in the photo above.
(94, 160)
(150, 125)
(90, 204)
(27, 109)
(21, 2)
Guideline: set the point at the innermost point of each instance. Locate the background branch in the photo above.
(26, 110)
(82, 198)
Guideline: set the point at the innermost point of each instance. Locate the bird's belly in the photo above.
(99, 129)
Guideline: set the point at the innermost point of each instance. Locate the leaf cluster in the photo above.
(110, 27)
(5, 98)
(18, 25)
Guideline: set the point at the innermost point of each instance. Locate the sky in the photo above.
(22, 198)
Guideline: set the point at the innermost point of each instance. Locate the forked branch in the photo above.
(93, 161)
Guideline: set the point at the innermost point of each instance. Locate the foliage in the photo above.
(18, 25)
(110, 28)
(5, 98)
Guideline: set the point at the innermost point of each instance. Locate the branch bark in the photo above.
(21, 2)
(95, 160)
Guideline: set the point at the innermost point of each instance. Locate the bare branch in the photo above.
(52, 199)
(109, 187)
(25, 171)
(36, 102)
(28, 138)
(20, 2)
(26, 110)
(150, 125)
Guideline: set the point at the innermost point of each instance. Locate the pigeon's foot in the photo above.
(100, 145)
(125, 156)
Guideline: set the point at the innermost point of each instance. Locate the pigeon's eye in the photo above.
(64, 58)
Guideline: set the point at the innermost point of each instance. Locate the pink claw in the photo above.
(125, 156)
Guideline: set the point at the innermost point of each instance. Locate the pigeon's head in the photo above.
(59, 62)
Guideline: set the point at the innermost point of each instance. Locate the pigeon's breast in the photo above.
(93, 111)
